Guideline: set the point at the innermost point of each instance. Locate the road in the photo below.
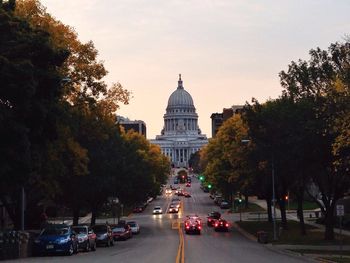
(159, 240)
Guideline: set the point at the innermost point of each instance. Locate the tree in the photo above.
(29, 94)
(324, 81)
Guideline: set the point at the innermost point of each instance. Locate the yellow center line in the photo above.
(180, 257)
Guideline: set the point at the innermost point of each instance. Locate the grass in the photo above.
(251, 208)
(307, 205)
(337, 259)
(321, 252)
(291, 236)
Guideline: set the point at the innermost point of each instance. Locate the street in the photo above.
(159, 239)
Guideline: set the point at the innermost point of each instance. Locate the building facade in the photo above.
(137, 125)
(180, 136)
(217, 119)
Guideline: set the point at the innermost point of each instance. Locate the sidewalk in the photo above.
(262, 203)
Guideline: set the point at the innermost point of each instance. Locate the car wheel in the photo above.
(70, 250)
(87, 246)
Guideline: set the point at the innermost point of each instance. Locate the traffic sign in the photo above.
(340, 210)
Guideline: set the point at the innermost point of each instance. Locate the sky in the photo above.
(228, 51)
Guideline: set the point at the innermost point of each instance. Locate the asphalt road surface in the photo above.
(162, 241)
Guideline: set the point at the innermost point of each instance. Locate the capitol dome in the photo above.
(180, 136)
(180, 97)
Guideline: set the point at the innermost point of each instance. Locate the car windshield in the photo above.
(100, 229)
(54, 231)
(80, 230)
(118, 229)
(157, 208)
(132, 224)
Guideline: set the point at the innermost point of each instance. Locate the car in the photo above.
(138, 209)
(86, 237)
(212, 195)
(221, 225)
(180, 192)
(157, 210)
(135, 228)
(168, 191)
(186, 194)
(176, 181)
(104, 235)
(188, 184)
(212, 216)
(189, 180)
(217, 199)
(193, 224)
(173, 208)
(172, 187)
(56, 238)
(224, 205)
(121, 232)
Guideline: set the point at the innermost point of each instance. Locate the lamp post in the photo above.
(273, 198)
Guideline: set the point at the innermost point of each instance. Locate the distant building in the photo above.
(217, 119)
(137, 125)
(180, 136)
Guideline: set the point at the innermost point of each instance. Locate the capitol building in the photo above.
(180, 136)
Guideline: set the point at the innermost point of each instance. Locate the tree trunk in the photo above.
(269, 209)
(76, 212)
(93, 216)
(329, 223)
(246, 201)
(300, 213)
(282, 204)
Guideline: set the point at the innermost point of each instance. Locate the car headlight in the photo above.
(63, 240)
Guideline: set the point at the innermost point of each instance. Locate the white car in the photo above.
(135, 228)
(157, 210)
(168, 191)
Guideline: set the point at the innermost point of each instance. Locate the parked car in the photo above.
(104, 235)
(121, 232)
(224, 205)
(86, 237)
(212, 217)
(138, 209)
(221, 225)
(56, 238)
(135, 228)
(218, 199)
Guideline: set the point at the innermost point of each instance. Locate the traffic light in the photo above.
(201, 177)
(239, 200)
(209, 186)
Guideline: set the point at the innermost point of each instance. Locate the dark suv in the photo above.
(104, 235)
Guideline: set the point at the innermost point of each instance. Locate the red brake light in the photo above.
(199, 227)
(216, 224)
(227, 225)
(187, 227)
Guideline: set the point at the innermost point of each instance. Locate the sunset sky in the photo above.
(227, 51)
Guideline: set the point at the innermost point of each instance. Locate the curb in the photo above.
(244, 233)
(275, 249)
